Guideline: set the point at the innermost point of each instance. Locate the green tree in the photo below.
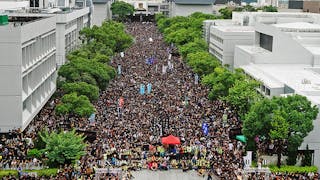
(122, 9)
(220, 81)
(270, 9)
(202, 62)
(279, 132)
(197, 45)
(75, 105)
(242, 95)
(63, 148)
(226, 13)
(95, 72)
(264, 119)
(82, 88)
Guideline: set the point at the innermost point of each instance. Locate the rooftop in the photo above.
(299, 77)
(298, 26)
(194, 2)
(235, 28)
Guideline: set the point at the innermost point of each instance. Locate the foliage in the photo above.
(110, 35)
(272, 118)
(82, 88)
(45, 172)
(242, 95)
(226, 13)
(76, 105)
(159, 16)
(64, 147)
(197, 45)
(270, 9)
(4, 173)
(97, 73)
(122, 9)
(279, 126)
(34, 153)
(293, 169)
(220, 81)
(202, 62)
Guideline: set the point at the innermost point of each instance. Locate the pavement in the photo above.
(167, 175)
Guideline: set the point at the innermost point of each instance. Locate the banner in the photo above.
(121, 102)
(196, 79)
(149, 86)
(142, 89)
(119, 69)
(92, 118)
(205, 128)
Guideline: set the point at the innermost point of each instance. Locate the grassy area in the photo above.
(40, 172)
(293, 169)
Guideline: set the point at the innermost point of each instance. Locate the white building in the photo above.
(27, 68)
(14, 5)
(33, 45)
(286, 59)
(187, 7)
(284, 56)
(223, 37)
(68, 27)
(149, 7)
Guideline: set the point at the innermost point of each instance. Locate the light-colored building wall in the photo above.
(186, 9)
(68, 27)
(290, 67)
(27, 70)
(224, 39)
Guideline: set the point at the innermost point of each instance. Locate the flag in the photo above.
(121, 102)
(119, 69)
(149, 86)
(142, 89)
(205, 128)
(196, 79)
(92, 118)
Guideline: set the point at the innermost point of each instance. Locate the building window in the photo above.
(267, 91)
(266, 41)
(34, 3)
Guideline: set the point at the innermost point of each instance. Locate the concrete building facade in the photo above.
(28, 72)
(68, 27)
(284, 55)
(187, 7)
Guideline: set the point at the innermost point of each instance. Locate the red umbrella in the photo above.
(170, 140)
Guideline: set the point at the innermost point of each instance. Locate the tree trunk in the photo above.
(279, 151)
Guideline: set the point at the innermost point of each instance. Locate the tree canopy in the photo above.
(202, 62)
(63, 148)
(272, 118)
(122, 9)
(73, 104)
(82, 88)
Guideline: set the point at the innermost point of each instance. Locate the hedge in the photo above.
(40, 172)
(293, 169)
(4, 173)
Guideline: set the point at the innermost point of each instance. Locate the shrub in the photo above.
(293, 169)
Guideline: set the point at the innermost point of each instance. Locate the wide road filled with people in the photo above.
(154, 95)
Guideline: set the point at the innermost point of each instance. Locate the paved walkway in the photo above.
(167, 175)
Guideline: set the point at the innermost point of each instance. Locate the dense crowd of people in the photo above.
(128, 134)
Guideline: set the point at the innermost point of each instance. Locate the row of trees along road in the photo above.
(87, 71)
(80, 81)
(285, 120)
